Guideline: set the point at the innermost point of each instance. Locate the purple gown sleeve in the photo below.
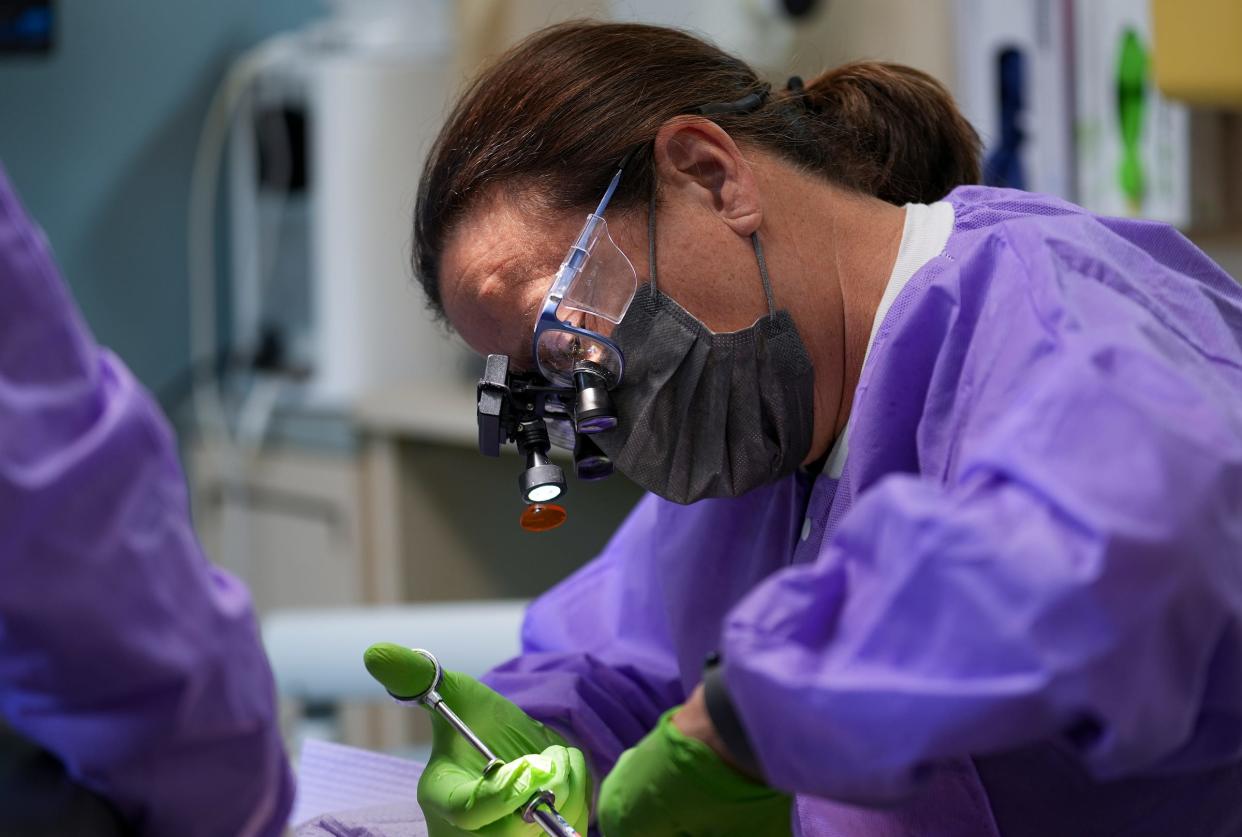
(597, 662)
(122, 650)
(1077, 572)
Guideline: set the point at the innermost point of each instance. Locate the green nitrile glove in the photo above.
(455, 797)
(670, 785)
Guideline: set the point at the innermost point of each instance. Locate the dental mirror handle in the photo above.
(435, 703)
(540, 810)
(543, 813)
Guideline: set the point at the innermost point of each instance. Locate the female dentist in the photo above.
(946, 481)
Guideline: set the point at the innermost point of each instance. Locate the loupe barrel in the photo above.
(593, 408)
(542, 481)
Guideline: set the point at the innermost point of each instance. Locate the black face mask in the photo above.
(703, 414)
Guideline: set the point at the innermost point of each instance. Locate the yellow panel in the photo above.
(1198, 50)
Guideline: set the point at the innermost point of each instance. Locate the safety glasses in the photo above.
(596, 281)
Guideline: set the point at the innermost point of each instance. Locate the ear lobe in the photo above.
(698, 158)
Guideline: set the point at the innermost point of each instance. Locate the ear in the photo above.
(698, 158)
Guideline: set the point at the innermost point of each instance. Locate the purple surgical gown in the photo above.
(122, 650)
(1018, 610)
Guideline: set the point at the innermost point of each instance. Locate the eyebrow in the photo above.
(497, 283)
(525, 358)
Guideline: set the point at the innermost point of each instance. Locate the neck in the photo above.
(841, 254)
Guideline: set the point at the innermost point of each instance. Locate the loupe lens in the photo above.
(560, 352)
(590, 462)
(598, 424)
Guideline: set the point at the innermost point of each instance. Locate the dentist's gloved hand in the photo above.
(457, 800)
(671, 784)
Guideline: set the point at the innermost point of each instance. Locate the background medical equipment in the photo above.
(412, 675)
(328, 125)
(1013, 84)
(327, 138)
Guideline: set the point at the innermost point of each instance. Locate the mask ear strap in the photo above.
(651, 242)
(754, 240)
(763, 272)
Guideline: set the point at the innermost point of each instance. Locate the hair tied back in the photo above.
(797, 91)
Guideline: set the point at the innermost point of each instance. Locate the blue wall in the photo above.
(99, 138)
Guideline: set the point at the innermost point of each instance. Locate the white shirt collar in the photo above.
(924, 236)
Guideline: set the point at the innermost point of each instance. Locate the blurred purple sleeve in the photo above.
(598, 663)
(122, 650)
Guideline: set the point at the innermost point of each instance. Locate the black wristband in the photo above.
(725, 719)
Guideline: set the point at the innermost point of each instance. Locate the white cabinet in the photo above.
(287, 521)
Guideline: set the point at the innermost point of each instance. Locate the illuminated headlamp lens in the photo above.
(543, 494)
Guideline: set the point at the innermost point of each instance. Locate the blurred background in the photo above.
(228, 188)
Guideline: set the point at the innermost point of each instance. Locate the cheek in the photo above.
(714, 277)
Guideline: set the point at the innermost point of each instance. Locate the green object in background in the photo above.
(456, 796)
(669, 785)
(1132, 89)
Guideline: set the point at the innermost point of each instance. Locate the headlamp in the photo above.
(514, 407)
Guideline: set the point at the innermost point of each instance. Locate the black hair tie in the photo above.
(747, 104)
(797, 91)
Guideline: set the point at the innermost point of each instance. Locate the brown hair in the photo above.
(557, 112)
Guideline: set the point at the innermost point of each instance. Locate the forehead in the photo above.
(497, 266)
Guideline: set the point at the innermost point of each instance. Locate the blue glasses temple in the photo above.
(612, 187)
(578, 254)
